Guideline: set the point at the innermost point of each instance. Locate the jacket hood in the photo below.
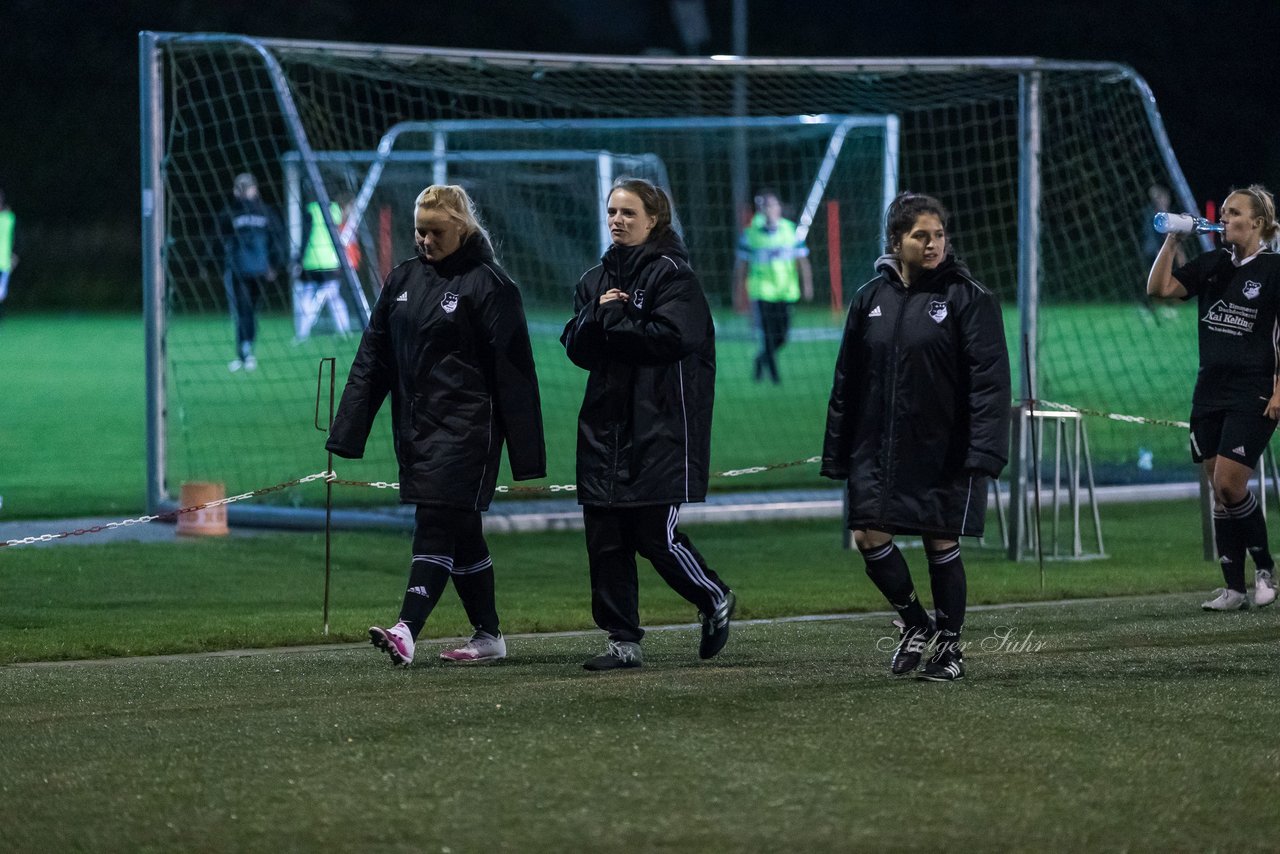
(667, 243)
(627, 261)
(476, 249)
(889, 266)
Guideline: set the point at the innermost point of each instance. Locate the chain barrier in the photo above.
(569, 487)
(172, 514)
(1112, 416)
(332, 477)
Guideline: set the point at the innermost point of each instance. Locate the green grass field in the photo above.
(73, 436)
(262, 590)
(1130, 724)
(1127, 724)
(1134, 727)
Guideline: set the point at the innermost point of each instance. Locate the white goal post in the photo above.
(1008, 143)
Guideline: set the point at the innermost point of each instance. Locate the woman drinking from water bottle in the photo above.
(1237, 395)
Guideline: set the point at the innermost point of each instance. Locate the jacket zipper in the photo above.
(617, 427)
(893, 405)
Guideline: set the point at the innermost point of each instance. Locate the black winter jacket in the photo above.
(919, 411)
(644, 430)
(450, 343)
(253, 240)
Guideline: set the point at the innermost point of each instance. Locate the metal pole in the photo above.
(293, 122)
(1262, 480)
(1030, 405)
(297, 238)
(1209, 548)
(1017, 483)
(153, 272)
(1275, 478)
(604, 188)
(1029, 224)
(1059, 444)
(846, 535)
(328, 481)
(440, 168)
(1093, 493)
(1028, 265)
(328, 509)
(738, 163)
(1077, 541)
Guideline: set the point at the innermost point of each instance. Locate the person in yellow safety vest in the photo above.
(8, 258)
(775, 268)
(321, 280)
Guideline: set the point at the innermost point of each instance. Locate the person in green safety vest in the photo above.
(320, 284)
(774, 266)
(8, 258)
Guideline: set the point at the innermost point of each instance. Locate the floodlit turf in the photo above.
(73, 439)
(73, 601)
(74, 435)
(1125, 725)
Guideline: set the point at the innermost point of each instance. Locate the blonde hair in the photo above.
(1264, 205)
(456, 204)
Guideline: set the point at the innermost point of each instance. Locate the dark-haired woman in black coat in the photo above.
(918, 422)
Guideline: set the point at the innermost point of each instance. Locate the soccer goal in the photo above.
(551, 182)
(1046, 166)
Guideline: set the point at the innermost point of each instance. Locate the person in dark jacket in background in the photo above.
(449, 342)
(254, 248)
(917, 423)
(643, 329)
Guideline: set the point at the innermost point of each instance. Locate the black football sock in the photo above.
(1248, 515)
(947, 581)
(1227, 536)
(475, 589)
(888, 571)
(427, 579)
(948, 641)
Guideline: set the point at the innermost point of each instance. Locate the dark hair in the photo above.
(763, 195)
(903, 212)
(655, 200)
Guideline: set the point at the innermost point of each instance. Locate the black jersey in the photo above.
(1239, 333)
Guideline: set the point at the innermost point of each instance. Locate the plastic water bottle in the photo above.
(1172, 223)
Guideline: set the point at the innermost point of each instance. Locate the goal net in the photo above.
(1046, 167)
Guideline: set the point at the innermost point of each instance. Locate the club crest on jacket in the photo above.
(1252, 289)
(938, 310)
(637, 299)
(449, 303)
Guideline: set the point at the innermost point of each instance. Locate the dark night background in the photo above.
(69, 160)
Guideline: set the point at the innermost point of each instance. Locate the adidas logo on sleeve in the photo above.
(875, 312)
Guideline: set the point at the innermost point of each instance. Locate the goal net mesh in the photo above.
(536, 139)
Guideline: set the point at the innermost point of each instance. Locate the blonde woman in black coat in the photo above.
(449, 343)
